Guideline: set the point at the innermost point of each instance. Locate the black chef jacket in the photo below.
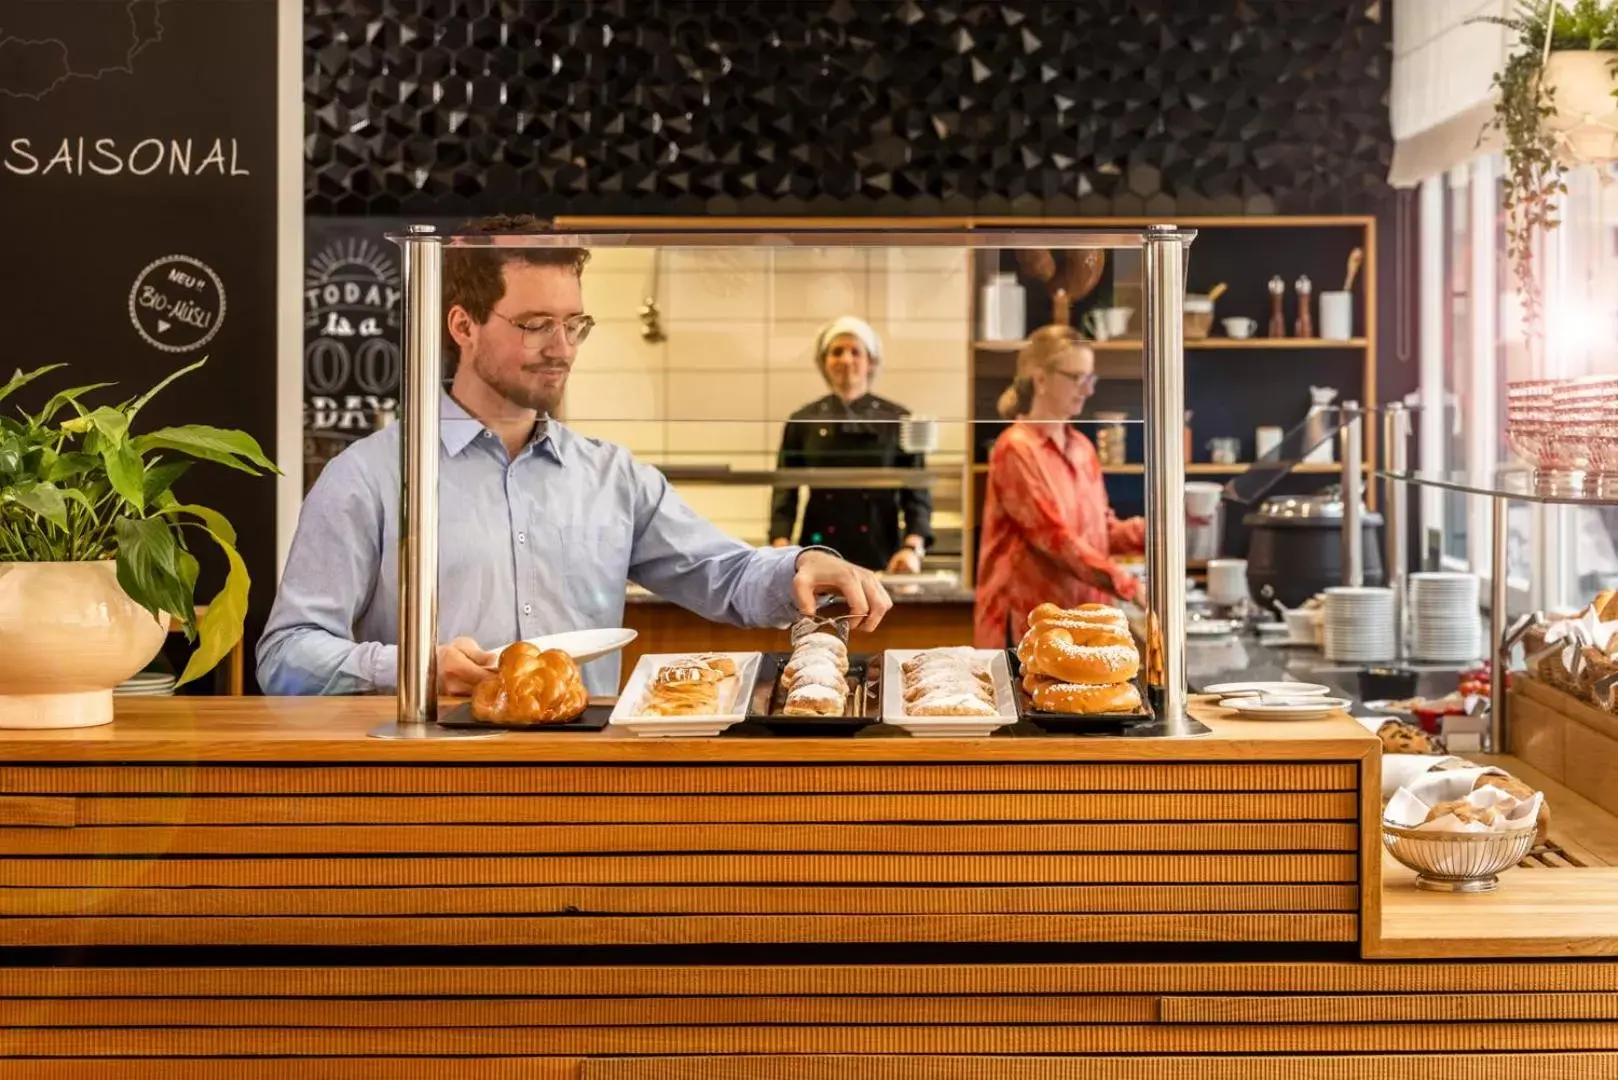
(863, 526)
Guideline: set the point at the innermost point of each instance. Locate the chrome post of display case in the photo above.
(1396, 452)
(420, 385)
(1164, 346)
(1497, 626)
(1353, 437)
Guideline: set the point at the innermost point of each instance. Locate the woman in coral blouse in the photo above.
(1048, 533)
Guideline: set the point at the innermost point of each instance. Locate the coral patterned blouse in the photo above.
(1048, 533)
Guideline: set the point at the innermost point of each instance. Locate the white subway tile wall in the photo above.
(738, 357)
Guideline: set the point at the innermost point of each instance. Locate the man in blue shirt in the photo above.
(540, 527)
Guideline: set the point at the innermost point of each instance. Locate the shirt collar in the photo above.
(1061, 438)
(457, 429)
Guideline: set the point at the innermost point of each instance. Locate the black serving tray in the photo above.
(864, 700)
(1098, 723)
(594, 718)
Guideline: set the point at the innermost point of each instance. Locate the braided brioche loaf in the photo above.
(530, 689)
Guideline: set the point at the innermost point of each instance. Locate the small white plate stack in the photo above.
(147, 684)
(1445, 624)
(1359, 624)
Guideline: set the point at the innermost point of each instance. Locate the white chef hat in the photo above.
(853, 327)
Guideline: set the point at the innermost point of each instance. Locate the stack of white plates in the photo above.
(147, 684)
(1445, 624)
(1359, 624)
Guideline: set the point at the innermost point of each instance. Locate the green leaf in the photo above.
(66, 466)
(149, 567)
(127, 473)
(66, 397)
(212, 520)
(23, 378)
(140, 402)
(161, 477)
(221, 625)
(111, 423)
(44, 500)
(221, 445)
(188, 578)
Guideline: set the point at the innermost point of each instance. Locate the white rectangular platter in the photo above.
(893, 699)
(734, 695)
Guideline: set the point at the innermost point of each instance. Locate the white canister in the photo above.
(1003, 312)
(1227, 581)
(1266, 440)
(1204, 519)
(1317, 423)
(1336, 315)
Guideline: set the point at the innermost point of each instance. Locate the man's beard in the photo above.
(541, 399)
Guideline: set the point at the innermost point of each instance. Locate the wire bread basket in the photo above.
(1458, 862)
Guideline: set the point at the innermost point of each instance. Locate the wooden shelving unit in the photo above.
(1265, 250)
(1191, 345)
(1197, 468)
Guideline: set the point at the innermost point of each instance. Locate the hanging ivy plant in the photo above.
(1534, 172)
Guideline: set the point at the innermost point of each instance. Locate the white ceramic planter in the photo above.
(68, 635)
(1586, 117)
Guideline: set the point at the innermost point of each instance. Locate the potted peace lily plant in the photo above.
(96, 551)
(1557, 107)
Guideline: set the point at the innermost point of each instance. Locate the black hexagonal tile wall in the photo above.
(446, 107)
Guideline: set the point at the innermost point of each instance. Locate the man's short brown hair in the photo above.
(474, 278)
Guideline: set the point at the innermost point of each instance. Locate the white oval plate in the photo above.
(1209, 627)
(582, 645)
(1314, 709)
(1279, 689)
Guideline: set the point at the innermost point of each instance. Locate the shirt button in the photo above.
(522, 538)
(528, 609)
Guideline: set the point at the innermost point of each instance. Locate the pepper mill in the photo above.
(1278, 319)
(1306, 325)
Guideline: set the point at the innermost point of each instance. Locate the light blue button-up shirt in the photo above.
(534, 545)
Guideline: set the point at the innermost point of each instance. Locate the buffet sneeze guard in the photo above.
(1162, 345)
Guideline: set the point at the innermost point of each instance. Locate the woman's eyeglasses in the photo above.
(536, 334)
(1084, 380)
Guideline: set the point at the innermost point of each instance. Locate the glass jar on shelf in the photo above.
(1112, 447)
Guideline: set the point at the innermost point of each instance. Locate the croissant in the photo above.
(530, 689)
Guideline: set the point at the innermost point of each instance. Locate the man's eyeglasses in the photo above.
(539, 332)
(1085, 380)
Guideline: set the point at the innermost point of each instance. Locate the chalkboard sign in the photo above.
(137, 206)
(351, 325)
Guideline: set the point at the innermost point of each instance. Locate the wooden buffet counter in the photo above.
(250, 888)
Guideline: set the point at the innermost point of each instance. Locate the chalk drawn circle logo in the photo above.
(177, 303)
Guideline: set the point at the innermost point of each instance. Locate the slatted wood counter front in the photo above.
(261, 822)
(726, 909)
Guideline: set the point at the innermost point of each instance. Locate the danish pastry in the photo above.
(814, 680)
(815, 700)
(947, 682)
(688, 687)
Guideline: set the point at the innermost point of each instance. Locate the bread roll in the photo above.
(1516, 788)
(1399, 737)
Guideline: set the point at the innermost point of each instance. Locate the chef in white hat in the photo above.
(851, 427)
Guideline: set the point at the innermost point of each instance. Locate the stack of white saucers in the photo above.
(1359, 624)
(1445, 624)
(147, 684)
